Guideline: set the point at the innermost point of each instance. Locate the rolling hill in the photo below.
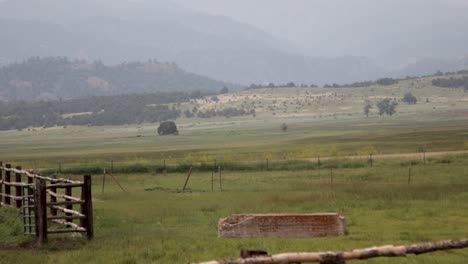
(55, 77)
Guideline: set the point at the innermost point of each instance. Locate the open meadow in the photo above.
(266, 169)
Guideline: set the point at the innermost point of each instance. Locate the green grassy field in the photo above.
(162, 225)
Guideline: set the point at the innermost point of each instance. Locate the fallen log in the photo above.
(342, 257)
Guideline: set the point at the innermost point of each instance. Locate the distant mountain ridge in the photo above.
(56, 78)
(115, 31)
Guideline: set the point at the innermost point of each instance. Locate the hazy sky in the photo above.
(309, 22)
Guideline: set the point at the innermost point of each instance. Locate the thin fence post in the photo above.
(8, 187)
(409, 172)
(220, 180)
(87, 207)
(103, 180)
(68, 191)
(18, 189)
(41, 211)
(187, 179)
(331, 174)
(1, 182)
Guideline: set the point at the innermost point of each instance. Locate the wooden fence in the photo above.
(47, 202)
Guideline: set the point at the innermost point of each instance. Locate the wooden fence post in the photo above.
(68, 191)
(409, 172)
(220, 180)
(18, 189)
(212, 180)
(87, 207)
(331, 174)
(41, 211)
(1, 183)
(7, 187)
(187, 179)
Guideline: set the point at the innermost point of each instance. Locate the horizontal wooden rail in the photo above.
(62, 186)
(61, 231)
(74, 226)
(64, 203)
(54, 217)
(65, 210)
(16, 198)
(32, 175)
(64, 196)
(341, 257)
(17, 184)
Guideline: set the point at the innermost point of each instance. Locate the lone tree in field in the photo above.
(367, 108)
(225, 90)
(409, 98)
(167, 128)
(387, 106)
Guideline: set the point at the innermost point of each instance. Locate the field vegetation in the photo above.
(265, 169)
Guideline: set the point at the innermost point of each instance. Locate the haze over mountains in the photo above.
(343, 41)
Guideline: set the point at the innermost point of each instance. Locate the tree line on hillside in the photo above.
(382, 81)
(227, 112)
(57, 77)
(451, 82)
(105, 110)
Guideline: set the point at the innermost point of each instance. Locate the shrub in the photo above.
(168, 128)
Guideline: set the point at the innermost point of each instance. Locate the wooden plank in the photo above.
(342, 257)
(13, 197)
(63, 186)
(282, 225)
(67, 211)
(87, 207)
(14, 184)
(66, 217)
(64, 203)
(67, 197)
(72, 225)
(61, 231)
(7, 187)
(41, 211)
(18, 189)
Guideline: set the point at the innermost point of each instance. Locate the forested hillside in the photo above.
(102, 110)
(61, 78)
